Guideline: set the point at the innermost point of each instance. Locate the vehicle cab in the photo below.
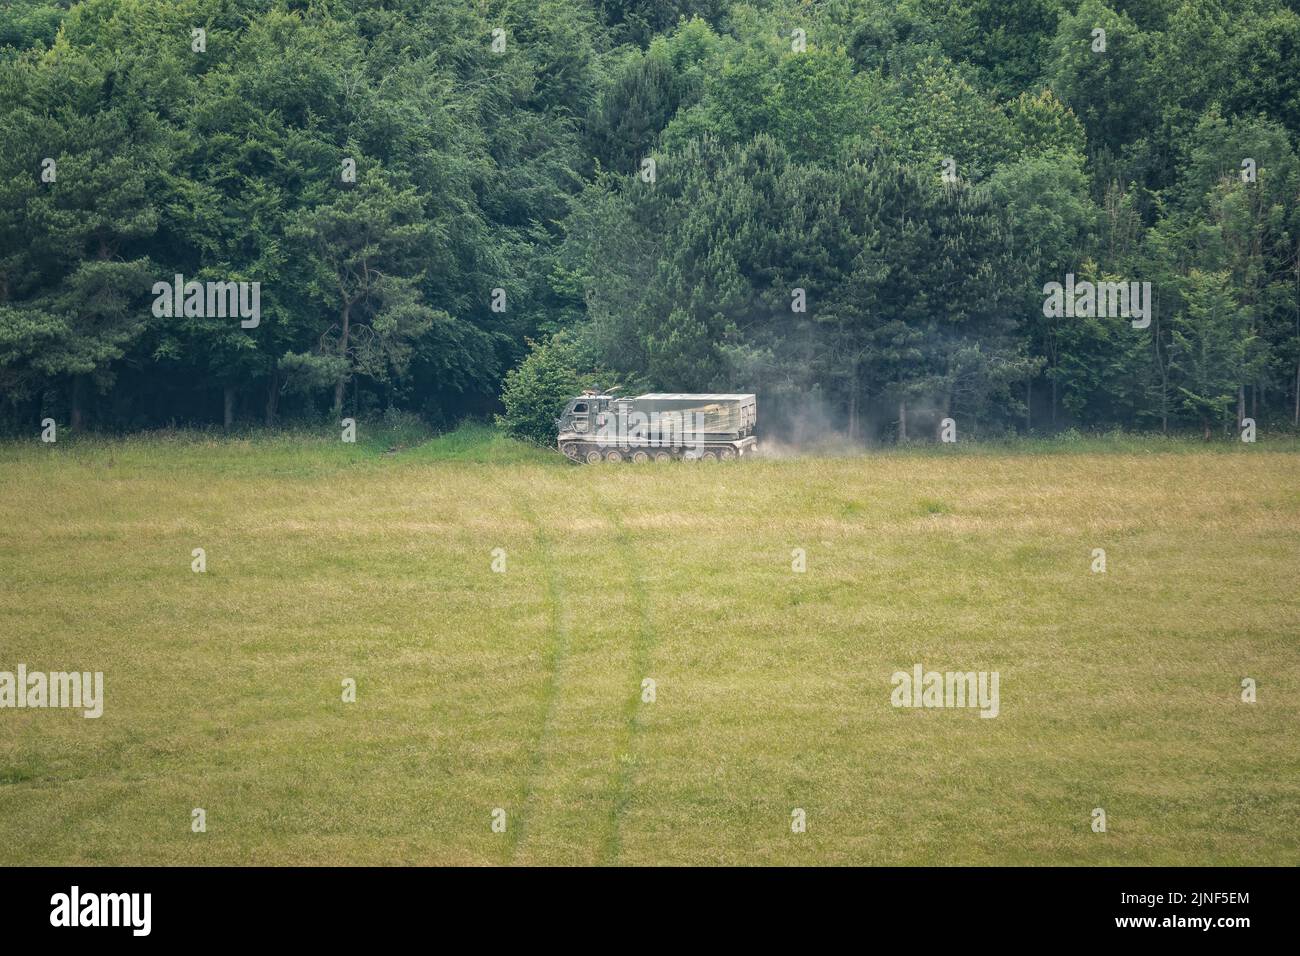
(582, 415)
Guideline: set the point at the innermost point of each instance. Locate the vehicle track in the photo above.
(559, 650)
(642, 652)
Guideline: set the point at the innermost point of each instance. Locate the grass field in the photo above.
(522, 690)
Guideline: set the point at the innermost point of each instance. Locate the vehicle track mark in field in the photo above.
(625, 757)
(551, 694)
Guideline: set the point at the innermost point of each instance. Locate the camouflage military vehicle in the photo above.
(658, 426)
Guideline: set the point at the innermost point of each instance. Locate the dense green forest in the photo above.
(854, 209)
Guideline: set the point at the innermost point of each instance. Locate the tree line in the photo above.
(854, 208)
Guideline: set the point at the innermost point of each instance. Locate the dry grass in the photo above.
(522, 690)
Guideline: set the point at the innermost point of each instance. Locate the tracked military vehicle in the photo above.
(658, 426)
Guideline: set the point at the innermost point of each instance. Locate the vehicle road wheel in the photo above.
(593, 456)
(727, 454)
(661, 456)
(570, 451)
(614, 455)
(639, 458)
(709, 455)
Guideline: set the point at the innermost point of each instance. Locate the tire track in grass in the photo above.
(559, 650)
(625, 757)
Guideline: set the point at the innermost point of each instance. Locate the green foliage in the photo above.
(795, 146)
(1008, 40)
(29, 23)
(639, 21)
(630, 113)
(535, 392)
(1211, 350)
(936, 112)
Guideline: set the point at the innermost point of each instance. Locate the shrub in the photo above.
(536, 390)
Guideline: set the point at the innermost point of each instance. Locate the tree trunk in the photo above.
(345, 317)
(273, 397)
(853, 402)
(902, 419)
(1029, 405)
(1241, 405)
(228, 417)
(1164, 378)
(78, 388)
